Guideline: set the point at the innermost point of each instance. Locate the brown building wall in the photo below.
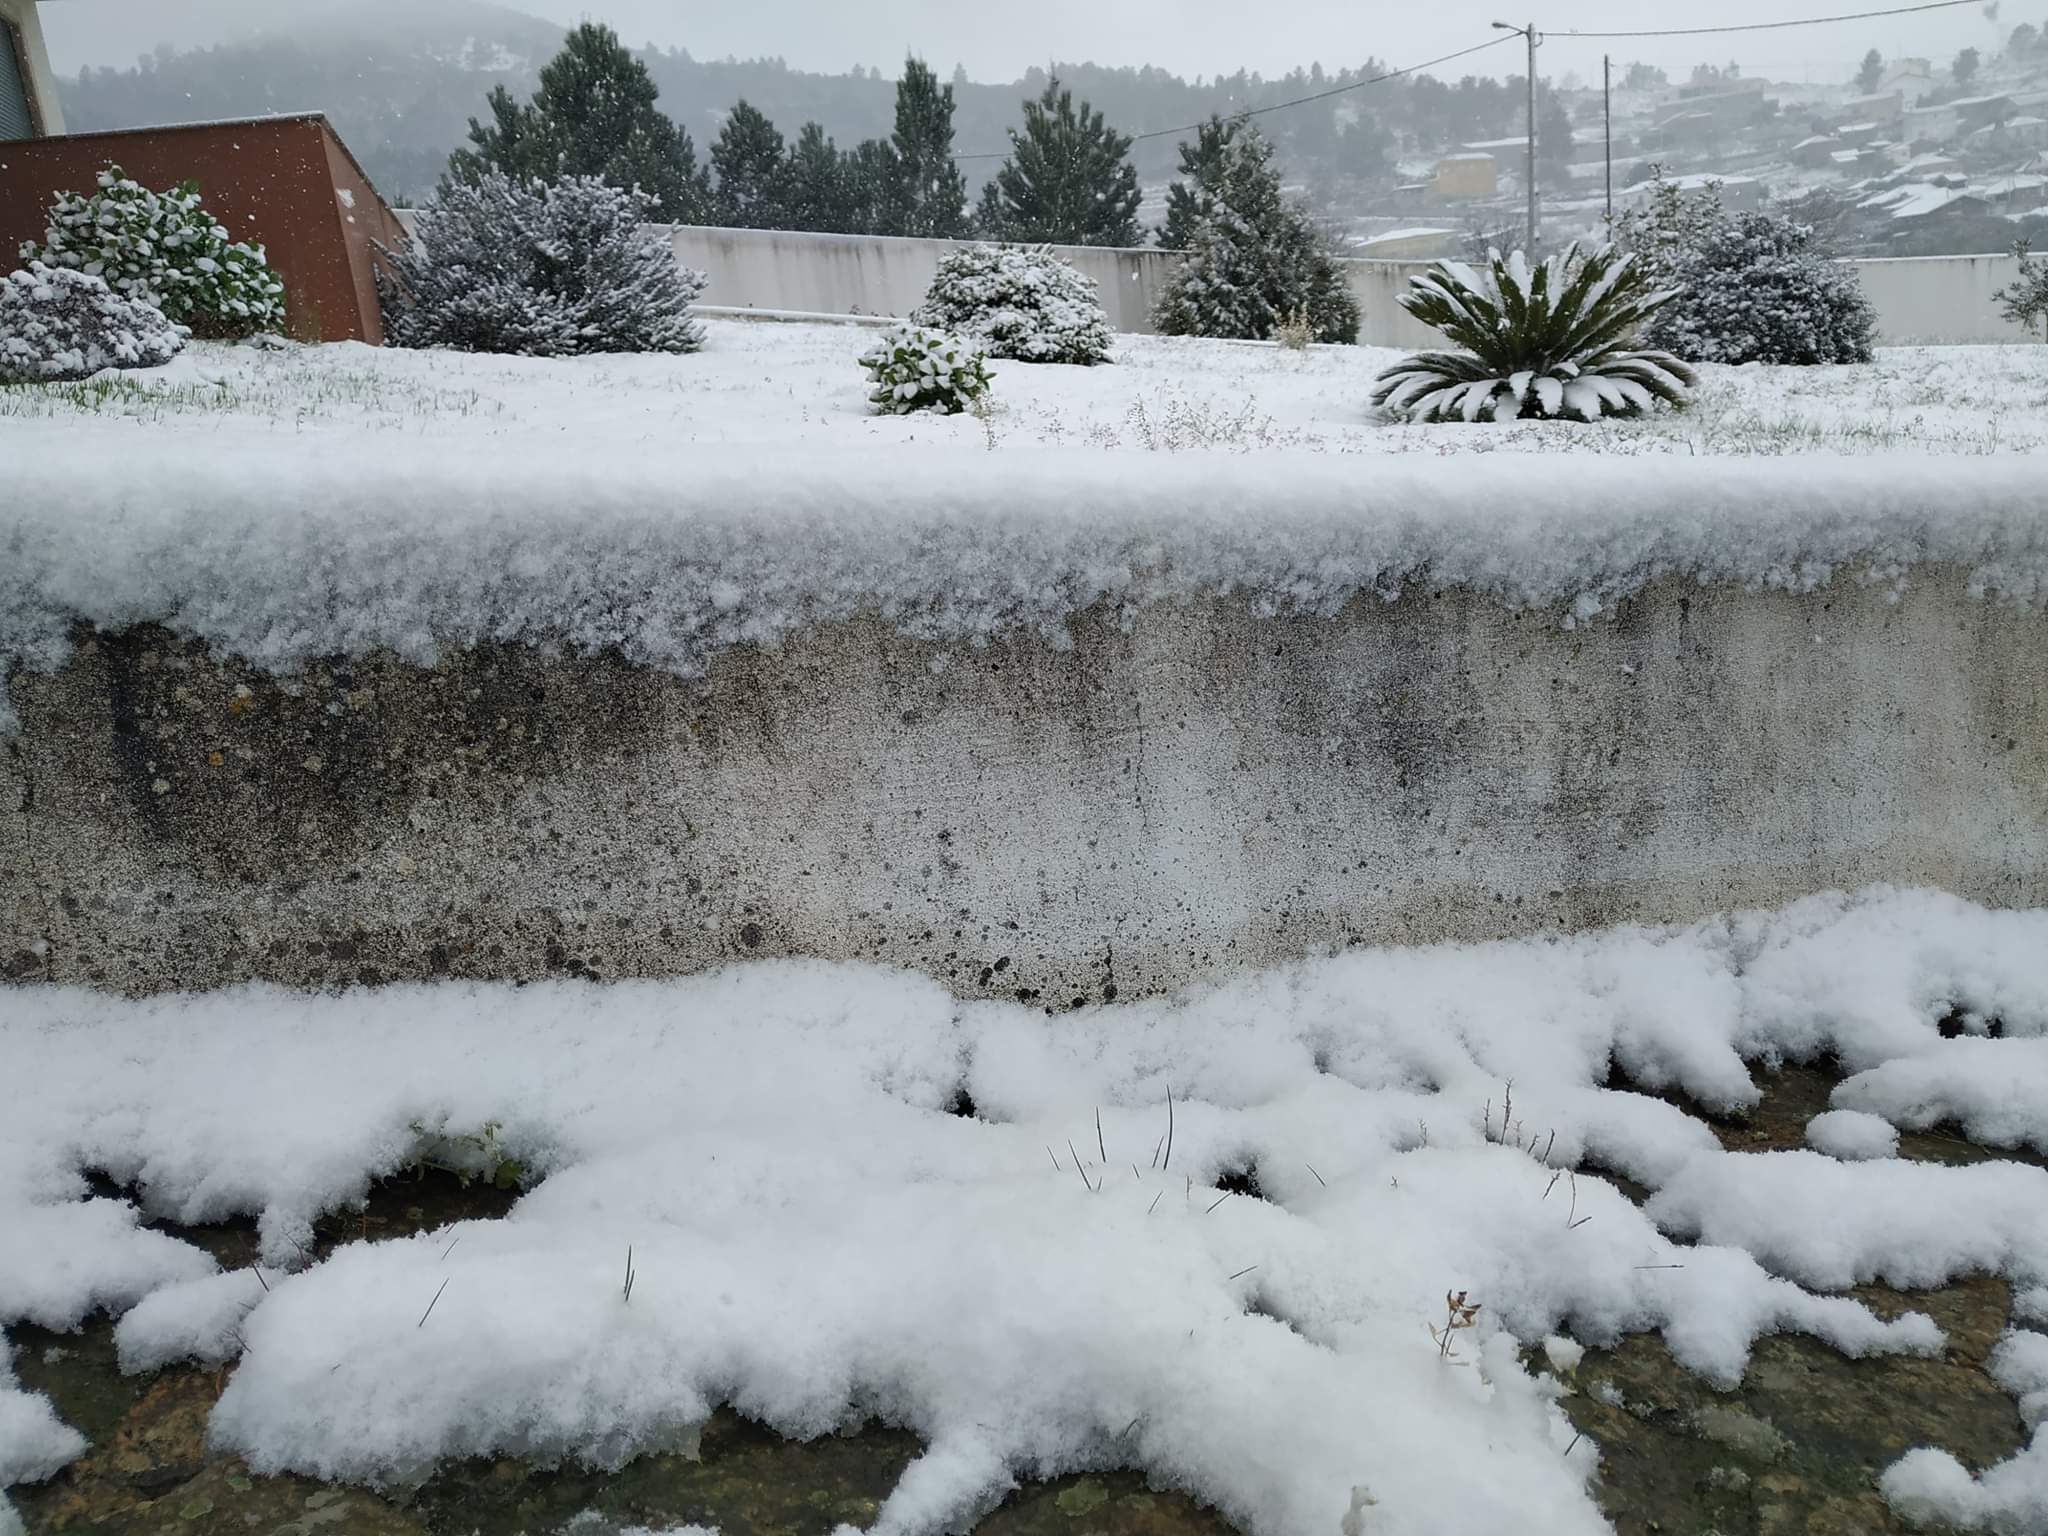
(285, 183)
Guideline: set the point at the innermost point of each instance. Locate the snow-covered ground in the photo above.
(819, 1232)
(759, 382)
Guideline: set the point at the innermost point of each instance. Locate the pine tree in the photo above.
(1068, 180)
(1871, 75)
(593, 115)
(748, 158)
(1203, 163)
(814, 182)
(1965, 67)
(869, 182)
(1256, 260)
(1554, 142)
(928, 195)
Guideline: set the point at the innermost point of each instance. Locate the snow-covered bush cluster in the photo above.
(1550, 341)
(2024, 301)
(1756, 287)
(1021, 302)
(163, 249)
(1054, 1285)
(542, 269)
(913, 369)
(58, 323)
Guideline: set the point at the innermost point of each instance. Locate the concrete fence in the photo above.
(1201, 790)
(1919, 299)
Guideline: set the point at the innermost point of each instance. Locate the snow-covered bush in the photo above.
(1548, 341)
(1749, 287)
(2024, 301)
(542, 269)
(56, 323)
(164, 249)
(915, 369)
(1021, 302)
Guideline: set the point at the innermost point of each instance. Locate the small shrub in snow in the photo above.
(1747, 288)
(2025, 300)
(915, 369)
(56, 323)
(1021, 303)
(165, 249)
(544, 270)
(1549, 341)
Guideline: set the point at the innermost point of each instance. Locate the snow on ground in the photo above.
(759, 382)
(1056, 1283)
(286, 503)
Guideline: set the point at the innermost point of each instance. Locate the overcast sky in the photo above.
(995, 41)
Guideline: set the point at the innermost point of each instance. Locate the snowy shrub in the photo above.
(1550, 341)
(1748, 288)
(1022, 303)
(56, 323)
(164, 249)
(1254, 256)
(915, 369)
(2025, 301)
(544, 270)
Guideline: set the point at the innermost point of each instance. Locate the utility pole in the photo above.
(1607, 104)
(1533, 38)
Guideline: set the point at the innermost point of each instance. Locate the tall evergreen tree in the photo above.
(928, 194)
(1965, 67)
(748, 158)
(1202, 163)
(1871, 73)
(815, 190)
(1068, 180)
(593, 115)
(869, 183)
(1256, 260)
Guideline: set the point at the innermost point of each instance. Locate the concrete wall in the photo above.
(1943, 299)
(42, 85)
(1209, 790)
(1940, 298)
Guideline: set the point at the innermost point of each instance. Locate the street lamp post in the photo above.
(1533, 37)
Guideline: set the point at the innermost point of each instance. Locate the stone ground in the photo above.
(1797, 1449)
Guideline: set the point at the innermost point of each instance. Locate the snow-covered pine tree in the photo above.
(869, 180)
(1756, 287)
(594, 114)
(927, 195)
(749, 160)
(57, 323)
(814, 183)
(166, 250)
(1202, 166)
(1256, 260)
(1068, 180)
(544, 269)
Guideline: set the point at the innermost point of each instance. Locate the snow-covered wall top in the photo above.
(284, 550)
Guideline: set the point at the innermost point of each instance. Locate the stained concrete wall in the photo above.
(1208, 790)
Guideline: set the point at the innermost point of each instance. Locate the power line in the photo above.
(1302, 101)
(1776, 26)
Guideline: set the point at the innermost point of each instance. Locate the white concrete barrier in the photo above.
(1931, 300)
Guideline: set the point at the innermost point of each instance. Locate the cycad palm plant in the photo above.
(1548, 341)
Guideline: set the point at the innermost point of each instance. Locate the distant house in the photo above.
(1876, 110)
(1937, 125)
(1976, 111)
(1473, 174)
(1910, 79)
(28, 91)
(1815, 152)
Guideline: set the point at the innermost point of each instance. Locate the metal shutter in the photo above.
(16, 120)
(15, 117)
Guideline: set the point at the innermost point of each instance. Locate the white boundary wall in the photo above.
(1919, 299)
